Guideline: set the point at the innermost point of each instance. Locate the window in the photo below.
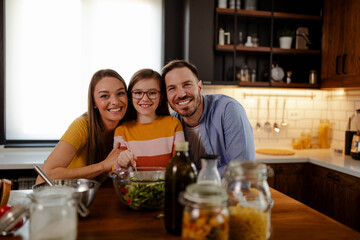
(53, 47)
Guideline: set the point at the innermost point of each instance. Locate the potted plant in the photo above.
(285, 37)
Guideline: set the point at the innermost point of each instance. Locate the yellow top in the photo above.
(77, 136)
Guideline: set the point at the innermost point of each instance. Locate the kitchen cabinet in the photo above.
(263, 24)
(341, 51)
(336, 194)
(291, 179)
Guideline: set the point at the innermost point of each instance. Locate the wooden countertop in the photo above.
(108, 219)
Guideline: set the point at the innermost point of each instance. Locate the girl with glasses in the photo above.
(148, 136)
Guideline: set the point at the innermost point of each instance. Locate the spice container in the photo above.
(306, 140)
(205, 213)
(312, 77)
(250, 201)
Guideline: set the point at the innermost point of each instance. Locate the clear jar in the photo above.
(209, 174)
(53, 214)
(324, 131)
(306, 139)
(312, 77)
(250, 200)
(206, 214)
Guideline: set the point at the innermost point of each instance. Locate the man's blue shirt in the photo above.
(225, 130)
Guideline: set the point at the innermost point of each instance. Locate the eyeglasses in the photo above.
(151, 94)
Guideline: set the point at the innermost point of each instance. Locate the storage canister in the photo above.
(250, 200)
(205, 213)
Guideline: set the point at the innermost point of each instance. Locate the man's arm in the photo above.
(238, 134)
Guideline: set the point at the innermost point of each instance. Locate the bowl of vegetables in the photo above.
(140, 189)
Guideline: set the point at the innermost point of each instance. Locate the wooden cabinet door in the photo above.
(322, 190)
(351, 57)
(290, 180)
(347, 200)
(332, 45)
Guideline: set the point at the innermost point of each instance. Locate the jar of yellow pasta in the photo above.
(324, 132)
(250, 200)
(205, 213)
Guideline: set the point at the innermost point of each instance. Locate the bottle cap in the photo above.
(182, 146)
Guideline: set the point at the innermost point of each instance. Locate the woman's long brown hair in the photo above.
(97, 151)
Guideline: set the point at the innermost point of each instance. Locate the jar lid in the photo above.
(205, 193)
(248, 169)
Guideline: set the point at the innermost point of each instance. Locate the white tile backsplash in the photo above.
(335, 105)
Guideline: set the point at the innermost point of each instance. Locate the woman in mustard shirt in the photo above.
(86, 149)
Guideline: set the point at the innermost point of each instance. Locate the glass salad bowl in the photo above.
(143, 189)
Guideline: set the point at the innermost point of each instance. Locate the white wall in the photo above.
(301, 112)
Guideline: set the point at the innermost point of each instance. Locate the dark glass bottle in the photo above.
(180, 173)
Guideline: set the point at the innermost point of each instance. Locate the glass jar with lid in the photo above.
(250, 200)
(206, 214)
(53, 213)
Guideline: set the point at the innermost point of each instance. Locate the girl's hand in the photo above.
(125, 159)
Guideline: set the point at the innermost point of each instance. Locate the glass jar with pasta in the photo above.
(250, 200)
(205, 213)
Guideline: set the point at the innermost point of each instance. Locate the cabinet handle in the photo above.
(337, 65)
(280, 169)
(337, 178)
(330, 175)
(343, 64)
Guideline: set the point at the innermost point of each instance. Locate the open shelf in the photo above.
(254, 13)
(230, 47)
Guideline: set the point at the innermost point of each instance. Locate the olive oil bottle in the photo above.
(180, 172)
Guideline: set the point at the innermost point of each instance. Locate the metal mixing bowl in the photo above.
(87, 188)
(141, 190)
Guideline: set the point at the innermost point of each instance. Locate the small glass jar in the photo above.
(312, 77)
(306, 139)
(324, 131)
(53, 213)
(209, 173)
(250, 200)
(205, 213)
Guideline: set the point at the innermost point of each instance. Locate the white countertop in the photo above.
(322, 157)
(24, 158)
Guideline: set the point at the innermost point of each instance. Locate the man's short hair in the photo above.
(179, 64)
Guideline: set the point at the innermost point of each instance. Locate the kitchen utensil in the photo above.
(82, 210)
(258, 124)
(276, 125)
(146, 192)
(267, 125)
(283, 123)
(277, 73)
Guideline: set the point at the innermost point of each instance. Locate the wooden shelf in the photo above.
(294, 85)
(296, 51)
(262, 49)
(252, 13)
(254, 84)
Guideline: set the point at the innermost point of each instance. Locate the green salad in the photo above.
(143, 196)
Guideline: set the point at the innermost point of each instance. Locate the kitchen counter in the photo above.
(290, 220)
(24, 158)
(322, 157)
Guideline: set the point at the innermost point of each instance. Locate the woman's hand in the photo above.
(110, 160)
(125, 159)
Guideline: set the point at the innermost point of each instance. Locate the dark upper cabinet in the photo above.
(341, 49)
(222, 63)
